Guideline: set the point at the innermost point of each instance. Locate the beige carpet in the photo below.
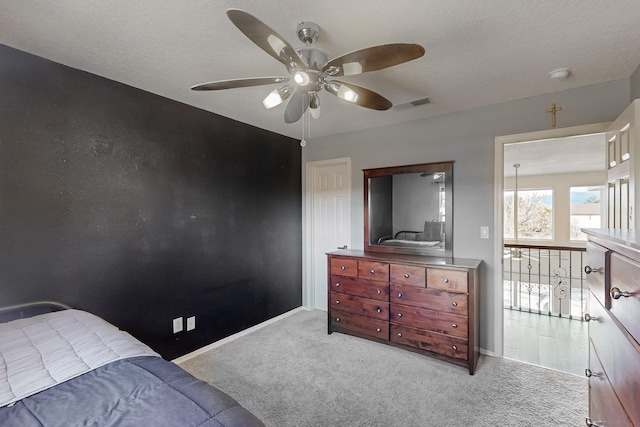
(292, 373)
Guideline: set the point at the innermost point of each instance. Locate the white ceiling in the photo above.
(477, 52)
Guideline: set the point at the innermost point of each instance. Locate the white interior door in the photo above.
(329, 220)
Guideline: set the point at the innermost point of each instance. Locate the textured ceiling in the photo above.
(477, 52)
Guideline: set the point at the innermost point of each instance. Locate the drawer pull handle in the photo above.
(372, 271)
(399, 314)
(343, 268)
(455, 304)
(588, 269)
(337, 319)
(454, 326)
(589, 373)
(591, 423)
(378, 330)
(589, 318)
(337, 284)
(399, 294)
(378, 291)
(399, 334)
(616, 293)
(454, 348)
(337, 301)
(406, 275)
(379, 310)
(446, 280)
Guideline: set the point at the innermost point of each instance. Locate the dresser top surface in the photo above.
(628, 238)
(417, 259)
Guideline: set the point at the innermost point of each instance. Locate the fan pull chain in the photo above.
(303, 142)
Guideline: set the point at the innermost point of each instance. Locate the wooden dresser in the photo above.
(613, 274)
(423, 304)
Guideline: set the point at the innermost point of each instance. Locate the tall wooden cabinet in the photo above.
(613, 274)
(423, 304)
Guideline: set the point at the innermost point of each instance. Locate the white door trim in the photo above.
(308, 267)
(498, 185)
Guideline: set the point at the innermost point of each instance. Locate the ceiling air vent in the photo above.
(418, 102)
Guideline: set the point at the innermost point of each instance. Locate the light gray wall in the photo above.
(468, 138)
(635, 84)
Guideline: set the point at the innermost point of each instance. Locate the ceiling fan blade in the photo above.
(358, 95)
(314, 105)
(267, 39)
(235, 83)
(372, 59)
(296, 107)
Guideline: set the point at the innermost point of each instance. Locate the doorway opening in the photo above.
(551, 187)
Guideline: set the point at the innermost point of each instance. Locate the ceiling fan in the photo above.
(309, 70)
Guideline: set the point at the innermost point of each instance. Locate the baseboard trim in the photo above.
(487, 352)
(230, 338)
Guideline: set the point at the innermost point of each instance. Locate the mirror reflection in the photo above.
(409, 209)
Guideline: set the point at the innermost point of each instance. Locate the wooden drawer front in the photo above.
(620, 357)
(447, 280)
(625, 276)
(604, 407)
(359, 305)
(595, 269)
(378, 271)
(373, 290)
(431, 299)
(360, 324)
(408, 275)
(430, 341)
(344, 267)
(436, 321)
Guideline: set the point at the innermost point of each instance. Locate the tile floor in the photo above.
(556, 343)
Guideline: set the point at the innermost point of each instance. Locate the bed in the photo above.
(71, 368)
(430, 237)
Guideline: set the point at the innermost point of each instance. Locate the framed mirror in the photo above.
(409, 209)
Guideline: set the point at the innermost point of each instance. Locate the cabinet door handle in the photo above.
(616, 293)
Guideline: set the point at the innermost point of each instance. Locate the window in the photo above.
(584, 210)
(534, 215)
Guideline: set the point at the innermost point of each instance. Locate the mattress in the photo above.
(71, 368)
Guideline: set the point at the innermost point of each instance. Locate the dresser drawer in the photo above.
(408, 275)
(344, 267)
(358, 305)
(595, 270)
(370, 270)
(625, 277)
(619, 354)
(604, 407)
(348, 285)
(431, 299)
(430, 341)
(360, 324)
(447, 280)
(436, 321)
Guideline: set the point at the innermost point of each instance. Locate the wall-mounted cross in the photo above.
(553, 110)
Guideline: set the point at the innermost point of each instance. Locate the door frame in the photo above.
(308, 295)
(498, 225)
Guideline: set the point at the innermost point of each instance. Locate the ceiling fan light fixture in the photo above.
(277, 97)
(351, 68)
(347, 94)
(301, 78)
(559, 74)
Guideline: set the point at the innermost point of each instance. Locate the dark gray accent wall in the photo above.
(380, 208)
(141, 209)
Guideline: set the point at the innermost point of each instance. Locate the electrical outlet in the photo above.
(191, 323)
(484, 232)
(177, 325)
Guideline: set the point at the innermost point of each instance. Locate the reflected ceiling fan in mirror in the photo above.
(309, 70)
